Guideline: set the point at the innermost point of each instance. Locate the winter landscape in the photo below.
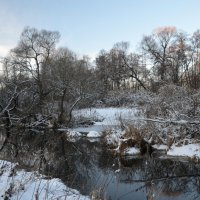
(120, 124)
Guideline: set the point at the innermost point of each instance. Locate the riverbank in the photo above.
(20, 184)
(49, 161)
(117, 125)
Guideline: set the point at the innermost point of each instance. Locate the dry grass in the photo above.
(133, 132)
(97, 194)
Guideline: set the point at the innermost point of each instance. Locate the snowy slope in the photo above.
(19, 184)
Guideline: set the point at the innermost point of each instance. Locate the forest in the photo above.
(41, 82)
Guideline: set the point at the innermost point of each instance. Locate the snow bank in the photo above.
(132, 151)
(94, 134)
(107, 116)
(71, 133)
(160, 146)
(190, 150)
(31, 185)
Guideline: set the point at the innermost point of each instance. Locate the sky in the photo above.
(87, 26)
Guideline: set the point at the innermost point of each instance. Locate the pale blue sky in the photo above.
(87, 26)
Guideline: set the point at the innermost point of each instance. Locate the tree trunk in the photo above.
(71, 109)
(61, 116)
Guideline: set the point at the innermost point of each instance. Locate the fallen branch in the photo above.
(167, 178)
(175, 122)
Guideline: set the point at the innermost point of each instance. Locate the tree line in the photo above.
(41, 81)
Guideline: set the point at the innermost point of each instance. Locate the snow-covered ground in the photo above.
(190, 150)
(107, 116)
(19, 184)
(104, 119)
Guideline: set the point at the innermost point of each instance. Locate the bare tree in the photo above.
(157, 47)
(195, 67)
(116, 67)
(33, 53)
(71, 81)
(61, 73)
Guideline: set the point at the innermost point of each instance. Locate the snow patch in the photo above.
(160, 146)
(71, 133)
(94, 134)
(190, 150)
(107, 116)
(132, 151)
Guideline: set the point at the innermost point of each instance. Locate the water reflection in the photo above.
(88, 166)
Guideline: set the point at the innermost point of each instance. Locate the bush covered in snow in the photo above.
(175, 111)
(127, 98)
(172, 112)
(174, 102)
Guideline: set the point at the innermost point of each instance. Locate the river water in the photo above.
(90, 168)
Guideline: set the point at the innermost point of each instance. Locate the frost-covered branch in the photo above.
(175, 122)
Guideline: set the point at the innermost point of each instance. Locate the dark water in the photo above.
(88, 166)
(98, 128)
